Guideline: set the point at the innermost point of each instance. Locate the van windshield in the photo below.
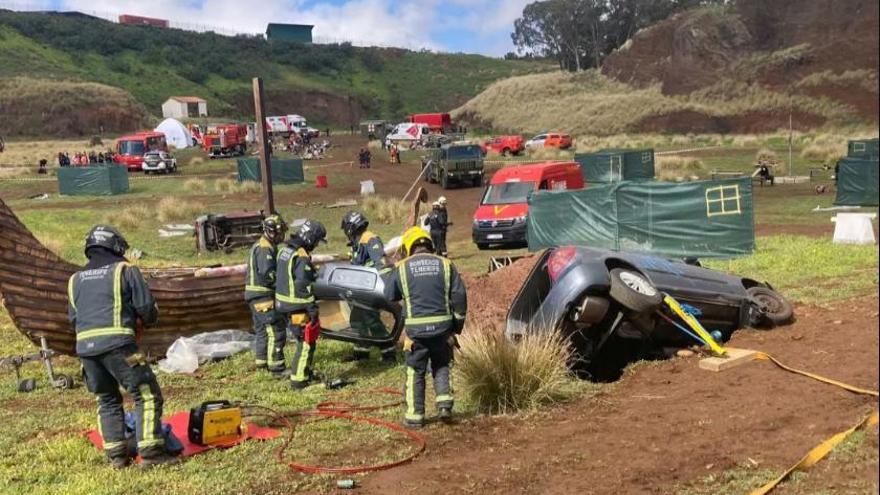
(131, 148)
(508, 192)
(472, 152)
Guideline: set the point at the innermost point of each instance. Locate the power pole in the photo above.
(790, 137)
(263, 146)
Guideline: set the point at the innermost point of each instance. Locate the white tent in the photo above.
(175, 133)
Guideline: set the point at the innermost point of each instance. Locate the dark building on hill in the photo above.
(300, 33)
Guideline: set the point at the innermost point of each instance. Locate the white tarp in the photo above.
(176, 134)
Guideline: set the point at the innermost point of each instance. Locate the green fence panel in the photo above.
(284, 171)
(615, 165)
(93, 180)
(703, 219)
(863, 148)
(857, 182)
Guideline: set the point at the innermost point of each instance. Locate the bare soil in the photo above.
(667, 424)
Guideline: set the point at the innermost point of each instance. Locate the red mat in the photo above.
(179, 423)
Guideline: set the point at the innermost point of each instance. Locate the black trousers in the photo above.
(438, 238)
(419, 353)
(126, 367)
(270, 335)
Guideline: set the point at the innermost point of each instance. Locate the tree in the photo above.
(580, 33)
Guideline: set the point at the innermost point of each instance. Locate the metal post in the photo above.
(263, 146)
(790, 137)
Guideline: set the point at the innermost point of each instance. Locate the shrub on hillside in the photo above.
(497, 376)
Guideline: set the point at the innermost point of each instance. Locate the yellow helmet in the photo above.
(413, 236)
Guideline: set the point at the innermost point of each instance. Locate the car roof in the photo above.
(530, 172)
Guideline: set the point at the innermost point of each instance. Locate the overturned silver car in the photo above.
(610, 304)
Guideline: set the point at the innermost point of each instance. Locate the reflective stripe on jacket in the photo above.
(369, 251)
(435, 298)
(104, 305)
(296, 277)
(260, 275)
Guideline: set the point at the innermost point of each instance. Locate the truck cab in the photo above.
(461, 163)
(130, 149)
(501, 217)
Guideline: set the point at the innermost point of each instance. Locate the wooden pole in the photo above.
(263, 145)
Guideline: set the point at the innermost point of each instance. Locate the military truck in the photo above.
(455, 163)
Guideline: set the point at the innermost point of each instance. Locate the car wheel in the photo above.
(774, 307)
(505, 152)
(633, 291)
(482, 246)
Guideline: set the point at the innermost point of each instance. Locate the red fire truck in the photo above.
(130, 149)
(225, 140)
(436, 122)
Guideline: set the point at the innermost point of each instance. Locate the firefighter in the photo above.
(436, 306)
(259, 293)
(367, 249)
(107, 301)
(438, 221)
(295, 298)
(444, 226)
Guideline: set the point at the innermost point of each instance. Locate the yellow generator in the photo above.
(214, 422)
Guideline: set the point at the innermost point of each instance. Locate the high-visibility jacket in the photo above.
(435, 298)
(104, 305)
(296, 279)
(369, 251)
(260, 276)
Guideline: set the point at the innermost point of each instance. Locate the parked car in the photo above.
(606, 303)
(503, 212)
(504, 145)
(549, 140)
(159, 162)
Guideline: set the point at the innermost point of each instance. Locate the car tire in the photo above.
(505, 152)
(633, 291)
(775, 308)
(482, 246)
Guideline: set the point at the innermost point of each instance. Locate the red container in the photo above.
(321, 181)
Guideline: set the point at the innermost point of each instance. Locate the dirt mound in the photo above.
(66, 108)
(669, 426)
(489, 296)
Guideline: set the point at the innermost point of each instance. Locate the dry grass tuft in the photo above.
(497, 376)
(678, 168)
(195, 185)
(225, 185)
(130, 217)
(171, 209)
(384, 209)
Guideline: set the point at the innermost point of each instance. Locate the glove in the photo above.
(311, 331)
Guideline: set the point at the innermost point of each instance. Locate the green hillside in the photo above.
(331, 84)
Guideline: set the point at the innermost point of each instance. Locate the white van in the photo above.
(407, 132)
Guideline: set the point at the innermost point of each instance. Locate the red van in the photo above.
(501, 217)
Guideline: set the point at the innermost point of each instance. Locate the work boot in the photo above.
(300, 384)
(119, 461)
(445, 414)
(389, 356)
(280, 373)
(413, 424)
(162, 458)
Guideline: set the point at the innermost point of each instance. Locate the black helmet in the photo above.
(311, 232)
(274, 227)
(353, 223)
(106, 237)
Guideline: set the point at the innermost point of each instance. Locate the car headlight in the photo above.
(476, 223)
(520, 220)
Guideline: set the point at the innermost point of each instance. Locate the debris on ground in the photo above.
(177, 230)
(187, 353)
(343, 203)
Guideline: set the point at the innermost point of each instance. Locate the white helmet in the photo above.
(441, 200)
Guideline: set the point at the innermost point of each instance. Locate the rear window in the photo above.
(507, 192)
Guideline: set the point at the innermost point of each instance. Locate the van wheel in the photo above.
(633, 291)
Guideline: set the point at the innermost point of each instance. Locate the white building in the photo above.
(181, 107)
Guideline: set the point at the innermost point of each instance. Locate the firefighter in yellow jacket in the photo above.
(435, 299)
(259, 293)
(295, 298)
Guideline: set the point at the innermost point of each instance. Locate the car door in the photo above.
(353, 306)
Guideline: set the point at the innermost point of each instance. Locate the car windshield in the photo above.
(472, 152)
(508, 192)
(131, 147)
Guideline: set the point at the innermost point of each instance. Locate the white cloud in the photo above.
(410, 24)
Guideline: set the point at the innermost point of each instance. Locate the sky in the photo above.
(470, 26)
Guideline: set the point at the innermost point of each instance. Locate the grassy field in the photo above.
(46, 453)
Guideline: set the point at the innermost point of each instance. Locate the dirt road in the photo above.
(666, 424)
